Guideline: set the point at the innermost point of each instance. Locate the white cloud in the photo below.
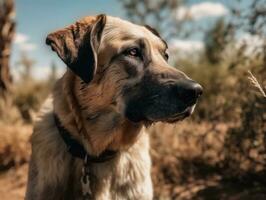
(27, 46)
(23, 43)
(254, 40)
(253, 43)
(201, 10)
(20, 38)
(185, 49)
(38, 72)
(43, 72)
(186, 46)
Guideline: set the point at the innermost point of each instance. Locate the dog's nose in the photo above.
(197, 89)
(189, 91)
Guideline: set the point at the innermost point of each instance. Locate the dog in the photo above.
(89, 140)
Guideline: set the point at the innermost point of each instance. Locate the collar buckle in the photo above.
(85, 180)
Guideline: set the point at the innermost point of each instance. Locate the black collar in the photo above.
(77, 150)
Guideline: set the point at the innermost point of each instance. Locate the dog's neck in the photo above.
(95, 135)
(77, 150)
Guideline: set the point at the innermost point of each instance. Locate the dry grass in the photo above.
(14, 144)
(13, 183)
(256, 83)
(14, 157)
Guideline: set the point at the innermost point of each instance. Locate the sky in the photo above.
(36, 18)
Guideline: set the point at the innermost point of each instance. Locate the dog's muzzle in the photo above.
(168, 102)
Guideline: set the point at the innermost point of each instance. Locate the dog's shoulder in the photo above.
(44, 122)
(46, 141)
(49, 153)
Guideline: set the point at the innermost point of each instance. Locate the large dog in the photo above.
(89, 141)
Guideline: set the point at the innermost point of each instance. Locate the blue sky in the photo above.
(36, 18)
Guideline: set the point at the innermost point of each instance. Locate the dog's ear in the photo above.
(155, 32)
(77, 45)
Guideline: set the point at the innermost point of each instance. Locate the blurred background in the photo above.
(219, 153)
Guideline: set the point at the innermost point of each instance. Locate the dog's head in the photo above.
(122, 72)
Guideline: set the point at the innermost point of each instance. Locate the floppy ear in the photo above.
(155, 32)
(77, 45)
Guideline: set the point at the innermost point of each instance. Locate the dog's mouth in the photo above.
(175, 117)
(159, 111)
(180, 116)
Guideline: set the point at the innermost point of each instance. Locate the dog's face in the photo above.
(148, 88)
(123, 69)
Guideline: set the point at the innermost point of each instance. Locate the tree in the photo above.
(53, 74)
(27, 65)
(252, 21)
(160, 14)
(7, 30)
(216, 40)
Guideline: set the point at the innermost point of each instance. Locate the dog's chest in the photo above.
(127, 177)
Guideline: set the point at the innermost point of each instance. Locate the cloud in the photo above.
(43, 72)
(253, 43)
(186, 46)
(185, 49)
(38, 72)
(201, 10)
(20, 38)
(254, 40)
(27, 46)
(23, 43)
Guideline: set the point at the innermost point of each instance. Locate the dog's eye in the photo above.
(134, 52)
